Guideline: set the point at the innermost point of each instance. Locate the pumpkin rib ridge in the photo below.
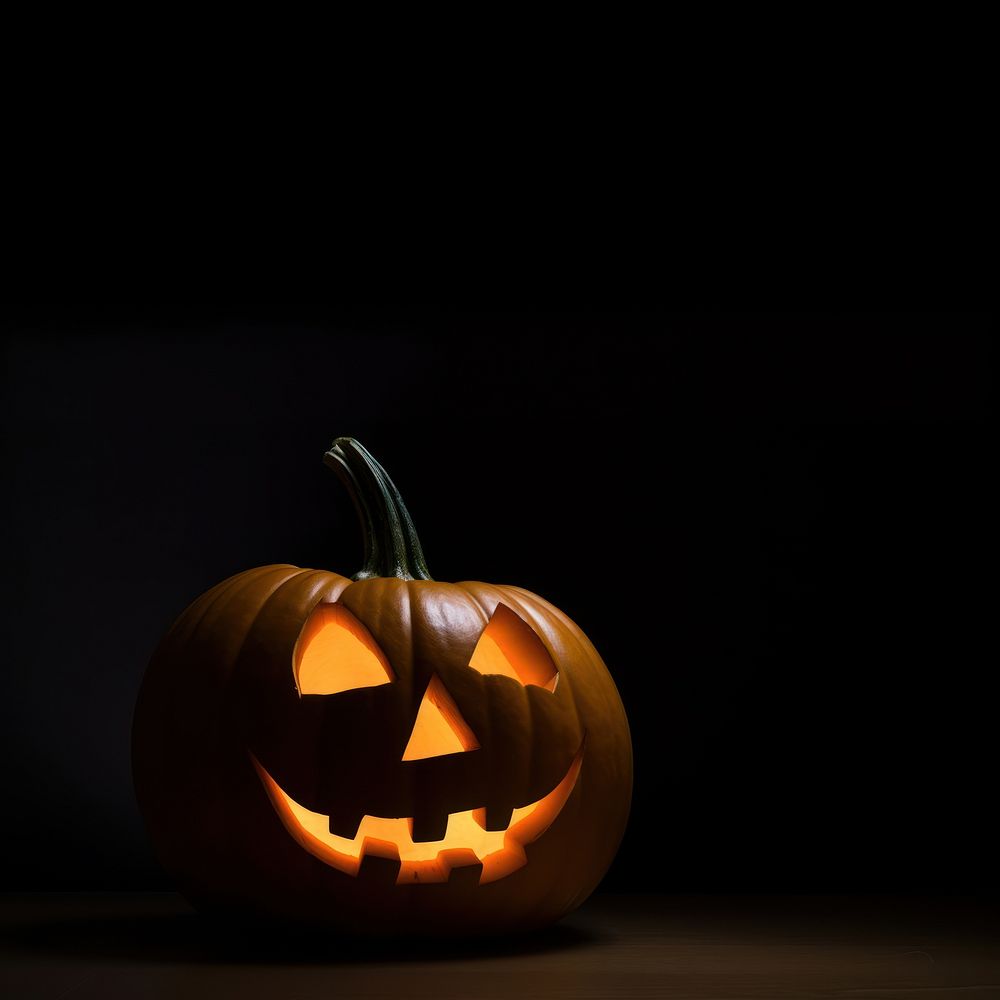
(231, 667)
(205, 600)
(538, 607)
(563, 619)
(407, 906)
(347, 581)
(465, 585)
(260, 610)
(238, 584)
(591, 653)
(528, 605)
(532, 614)
(227, 595)
(532, 762)
(216, 596)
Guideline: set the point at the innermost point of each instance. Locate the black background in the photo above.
(773, 527)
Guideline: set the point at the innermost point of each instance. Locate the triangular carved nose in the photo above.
(439, 727)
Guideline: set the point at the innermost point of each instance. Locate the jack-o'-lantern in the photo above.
(386, 752)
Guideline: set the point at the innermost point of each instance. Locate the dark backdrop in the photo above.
(774, 528)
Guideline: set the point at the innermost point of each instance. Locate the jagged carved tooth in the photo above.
(378, 865)
(500, 866)
(497, 817)
(465, 871)
(429, 827)
(345, 825)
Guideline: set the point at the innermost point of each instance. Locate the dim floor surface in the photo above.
(137, 946)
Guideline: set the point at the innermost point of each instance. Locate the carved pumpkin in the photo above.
(386, 753)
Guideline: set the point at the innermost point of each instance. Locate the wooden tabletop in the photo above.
(137, 946)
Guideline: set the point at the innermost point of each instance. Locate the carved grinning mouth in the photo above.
(500, 852)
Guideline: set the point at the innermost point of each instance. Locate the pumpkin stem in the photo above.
(391, 544)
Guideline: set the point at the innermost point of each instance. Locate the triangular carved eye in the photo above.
(509, 646)
(335, 653)
(439, 727)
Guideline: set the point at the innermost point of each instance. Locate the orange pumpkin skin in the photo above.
(220, 695)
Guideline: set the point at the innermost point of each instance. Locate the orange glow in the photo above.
(439, 727)
(335, 653)
(500, 852)
(510, 647)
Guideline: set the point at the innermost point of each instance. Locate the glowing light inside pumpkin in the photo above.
(500, 852)
(439, 727)
(509, 646)
(337, 653)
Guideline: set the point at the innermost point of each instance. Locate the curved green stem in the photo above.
(391, 544)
